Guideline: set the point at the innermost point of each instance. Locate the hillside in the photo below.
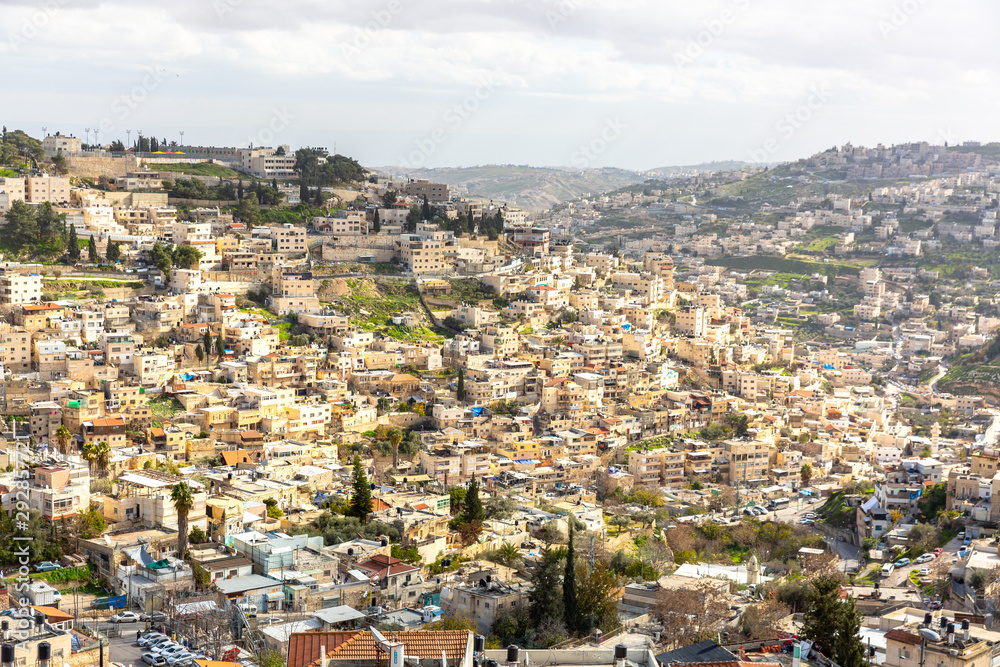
(719, 165)
(533, 188)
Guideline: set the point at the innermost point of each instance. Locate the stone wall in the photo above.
(95, 167)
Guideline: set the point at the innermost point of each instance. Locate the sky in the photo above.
(636, 84)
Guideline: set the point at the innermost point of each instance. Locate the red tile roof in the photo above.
(384, 566)
(418, 643)
(304, 648)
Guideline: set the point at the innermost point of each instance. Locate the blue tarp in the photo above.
(828, 367)
(187, 377)
(476, 412)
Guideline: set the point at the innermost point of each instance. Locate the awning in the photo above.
(274, 597)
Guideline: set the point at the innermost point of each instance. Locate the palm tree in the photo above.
(63, 437)
(98, 454)
(183, 502)
(395, 437)
(509, 554)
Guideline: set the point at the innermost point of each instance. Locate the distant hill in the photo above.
(720, 165)
(532, 188)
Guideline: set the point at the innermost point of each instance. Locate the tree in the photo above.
(460, 389)
(472, 506)
(395, 437)
(361, 496)
(895, 516)
(183, 501)
(98, 455)
(978, 578)
(376, 223)
(92, 250)
(73, 246)
(114, 251)
(161, 258)
(90, 523)
(848, 651)
(806, 473)
(570, 609)
(425, 211)
(199, 352)
(740, 424)
(249, 210)
(545, 599)
(389, 198)
(597, 598)
(823, 615)
(457, 497)
(63, 437)
(220, 346)
(692, 614)
(186, 256)
(500, 507)
(508, 554)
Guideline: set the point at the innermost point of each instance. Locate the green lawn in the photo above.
(197, 169)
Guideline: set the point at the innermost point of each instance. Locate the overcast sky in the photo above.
(627, 83)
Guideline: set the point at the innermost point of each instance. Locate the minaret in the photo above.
(935, 438)
(753, 571)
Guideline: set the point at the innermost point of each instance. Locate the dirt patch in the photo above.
(332, 288)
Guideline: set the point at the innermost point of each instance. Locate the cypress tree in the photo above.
(545, 600)
(472, 508)
(460, 390)
(376, 223)
(92, 250)
(570, 610)
(73, 245)
(361, 495)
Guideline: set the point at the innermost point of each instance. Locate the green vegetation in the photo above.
(165, 407)
(199, 169)
(796, 266)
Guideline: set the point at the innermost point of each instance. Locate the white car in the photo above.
(166, 648)
(926, 558)
(125, 617)
(923, 572)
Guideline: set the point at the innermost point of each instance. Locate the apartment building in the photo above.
(18, 288)
(40, 189)
(423, 255)
(60, 144)
(656, 467)
(60, 491)
(748, 461)
(484, 601)
(289, 239)
(436, 193)
(690, 322)
(15, 348)
(11, 190)
(110, 430)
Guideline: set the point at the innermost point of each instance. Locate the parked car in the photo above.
(179, 658)
(125, 617)
(902, 562)
(924, 572)
(934, 605)
(156, 616)
(926, 558)
(166, 647)
(807, 522)
(153, 660)
(47, 566)
(937, 552)
(152, 639)
(810, 515)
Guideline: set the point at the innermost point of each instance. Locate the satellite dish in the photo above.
(930, 635)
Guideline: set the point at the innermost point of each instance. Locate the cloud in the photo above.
(377, 75)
